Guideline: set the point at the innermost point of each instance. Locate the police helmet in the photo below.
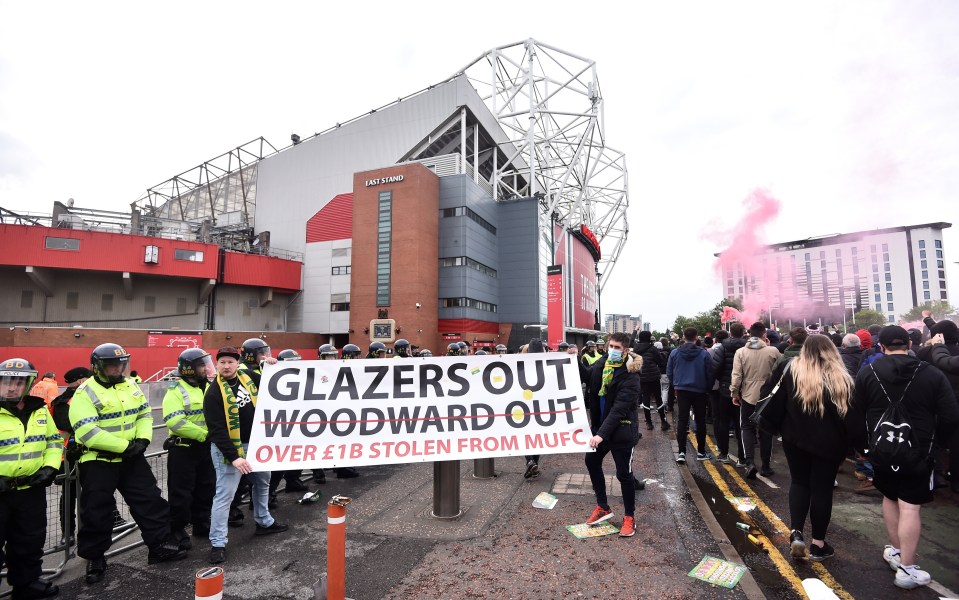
(563, 346)
(426, 352)
(377, 350)
(464, 347)
(195, 365)
(253, 350)
(481, 353)
(501, 349)
(328, 351)
(402, 347)
(453, 349)
(289, 354)
(106, 355)
(15, 372)
(351, 351)
(590, 344)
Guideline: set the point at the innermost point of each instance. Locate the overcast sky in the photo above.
(847, 113)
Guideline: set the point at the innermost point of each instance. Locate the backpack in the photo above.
(893, 443)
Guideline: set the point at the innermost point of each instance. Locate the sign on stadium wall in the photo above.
(326, 414)
(174, 339)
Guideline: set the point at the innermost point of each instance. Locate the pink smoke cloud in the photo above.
(745, 246)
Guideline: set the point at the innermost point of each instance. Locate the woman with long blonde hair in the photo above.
(817, 428)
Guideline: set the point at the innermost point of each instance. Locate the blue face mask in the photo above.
(614, 356)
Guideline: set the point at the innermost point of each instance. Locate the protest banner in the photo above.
(326, 414)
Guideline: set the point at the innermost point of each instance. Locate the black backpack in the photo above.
(893, 443)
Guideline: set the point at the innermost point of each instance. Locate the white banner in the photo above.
(339, 413)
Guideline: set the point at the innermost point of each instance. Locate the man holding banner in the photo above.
(614, 386)
(229, 406)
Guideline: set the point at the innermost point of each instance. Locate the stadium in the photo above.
(434, 218)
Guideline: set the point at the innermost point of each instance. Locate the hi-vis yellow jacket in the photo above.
(25, 449)
(106, 419)
(183, 411)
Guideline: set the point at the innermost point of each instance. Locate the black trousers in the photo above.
(651, 396)
(725, 415)
(191, 482)
(697, 401)
(135, 481)
(23, 530)
(810, 489)
(623, 458)
(749, 435)
(278, 476)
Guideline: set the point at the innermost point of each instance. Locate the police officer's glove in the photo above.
(136, 448)
(74, 451)
(42, 478)
(7, 484)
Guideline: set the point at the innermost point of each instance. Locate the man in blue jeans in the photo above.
(234, 392)
(690, 369)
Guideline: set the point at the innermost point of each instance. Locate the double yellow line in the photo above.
(784, 566)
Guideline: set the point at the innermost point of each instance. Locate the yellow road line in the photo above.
(780, 526)
(781, 563)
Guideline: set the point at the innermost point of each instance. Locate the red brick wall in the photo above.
(414, 255)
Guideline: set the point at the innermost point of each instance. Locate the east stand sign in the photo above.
(338, 413)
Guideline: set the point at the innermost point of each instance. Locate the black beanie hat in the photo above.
(645, 336)
(948, 329)
(76, 374)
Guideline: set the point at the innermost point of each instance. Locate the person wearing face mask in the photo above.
(190, 476)
(30, 452)
(614, 385)
(113, 425)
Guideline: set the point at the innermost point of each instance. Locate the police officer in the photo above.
(113, 425)
(401, 348)
(453, 349)
(563, 347)
(351, 351)
(590, 355)
(464, 348)
(292, 476)
(328, 351)
(377, 350)
(30, 452)
(425, 353)
(256, 353)
(191, 480)
(501, 349)
(480, 353)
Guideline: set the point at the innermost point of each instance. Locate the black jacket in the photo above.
(827, 436)
(851, 357)
(622, 400)
(214, 414)
(654, 363)
(723, 363)
(929, 403)
(60, 409)
(944, 357)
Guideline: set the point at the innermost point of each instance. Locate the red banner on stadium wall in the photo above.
(584, 285)
(554, 305)
(174, 339)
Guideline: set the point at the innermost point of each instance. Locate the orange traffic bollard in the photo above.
(209, 584)
(336, 548)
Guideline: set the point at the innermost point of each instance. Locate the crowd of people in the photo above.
(884, 395)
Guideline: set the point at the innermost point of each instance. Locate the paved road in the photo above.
(502, 547)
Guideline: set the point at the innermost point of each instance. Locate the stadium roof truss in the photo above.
(548, 102)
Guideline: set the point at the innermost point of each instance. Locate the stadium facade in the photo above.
(434, 218)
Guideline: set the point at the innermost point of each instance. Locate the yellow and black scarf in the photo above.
(608, 368)
(229, 406)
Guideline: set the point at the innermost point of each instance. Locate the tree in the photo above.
(940, 309)
(867, 317)
(706, 321)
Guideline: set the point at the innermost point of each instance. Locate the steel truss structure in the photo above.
(548, 102)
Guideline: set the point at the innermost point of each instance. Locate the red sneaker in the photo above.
(599, 515)
(629, 527)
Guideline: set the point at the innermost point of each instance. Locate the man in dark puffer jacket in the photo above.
(727, 414)
(654, 363)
